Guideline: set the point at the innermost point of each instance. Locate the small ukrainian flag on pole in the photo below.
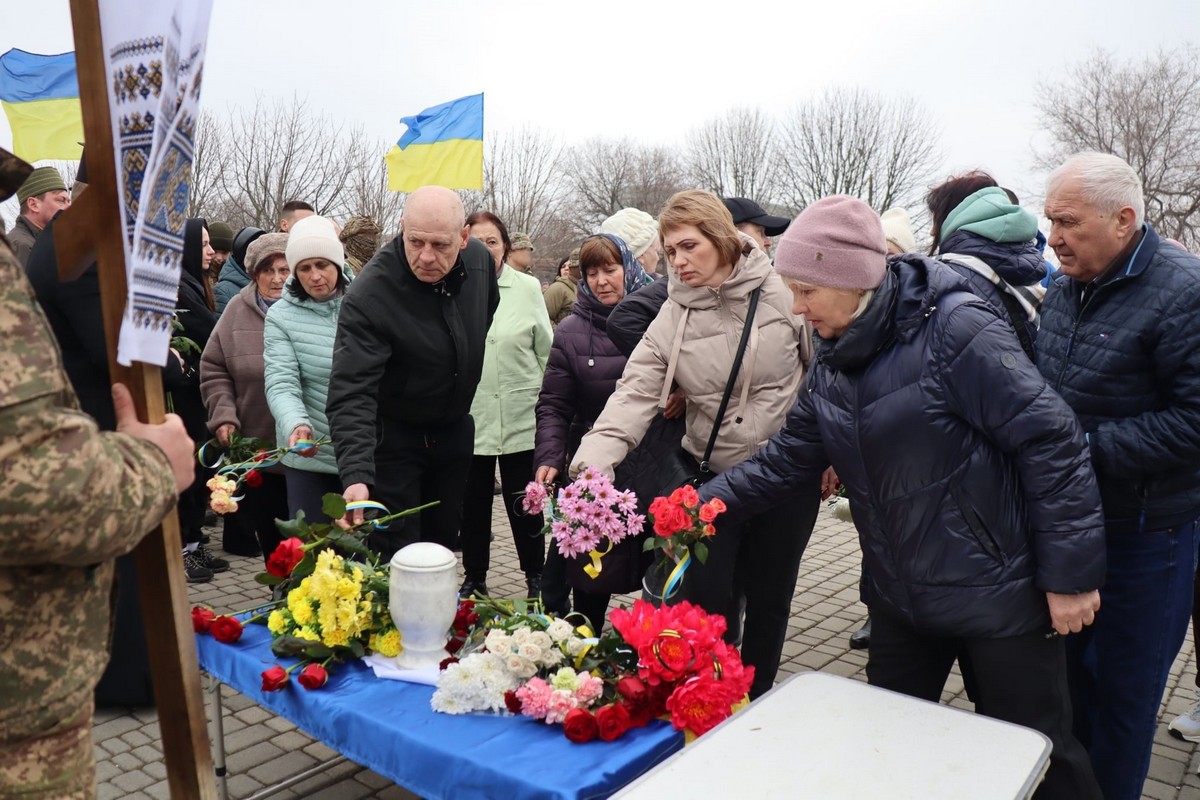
(443, 146)
(40, 97)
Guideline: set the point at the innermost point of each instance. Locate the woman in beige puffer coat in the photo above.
(692, 344)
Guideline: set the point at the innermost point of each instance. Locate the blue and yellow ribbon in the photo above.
(366, 504)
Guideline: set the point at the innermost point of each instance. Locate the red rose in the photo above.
(612, 722)
(261, 455)
(718, 505)
(274, 679)
(226, 630)
(512, 702)
(313, 676)
(707, 513)
(580, 725)
(253, 479)
(287, 555)
(676, 496)
(202, 619)
(632, 690)
(691, 498)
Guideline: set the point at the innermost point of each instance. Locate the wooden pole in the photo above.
(94, 224)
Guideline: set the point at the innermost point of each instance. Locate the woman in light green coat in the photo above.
(518, 345)
(298, 344)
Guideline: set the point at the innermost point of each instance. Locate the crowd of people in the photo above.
(1019, 442)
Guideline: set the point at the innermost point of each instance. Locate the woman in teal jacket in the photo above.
(514, 360)
(298, 341)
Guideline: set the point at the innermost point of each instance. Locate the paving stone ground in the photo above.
(263, 748)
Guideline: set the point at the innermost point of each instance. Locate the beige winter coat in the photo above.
(693, 342)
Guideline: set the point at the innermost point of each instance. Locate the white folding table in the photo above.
(821, 736)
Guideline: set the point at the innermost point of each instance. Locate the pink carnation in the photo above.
(535, 698)
(535, 498)
(559, 705)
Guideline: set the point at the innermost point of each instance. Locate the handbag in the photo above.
(677, 467)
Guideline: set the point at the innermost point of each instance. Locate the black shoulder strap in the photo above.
(733, 373)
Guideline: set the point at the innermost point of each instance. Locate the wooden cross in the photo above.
(93, 225)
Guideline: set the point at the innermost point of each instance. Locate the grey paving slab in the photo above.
(825, 610)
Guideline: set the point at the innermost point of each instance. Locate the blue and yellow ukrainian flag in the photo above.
(40, 97)
(443, 146)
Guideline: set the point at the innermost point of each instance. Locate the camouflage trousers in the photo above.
(59, 766)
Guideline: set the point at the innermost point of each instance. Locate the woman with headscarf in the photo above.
(234, 391)
(514, 359)
(974, 497)
(715, 273)
(195, 315)
(582, 373)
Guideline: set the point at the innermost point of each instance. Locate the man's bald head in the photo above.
(433, 229)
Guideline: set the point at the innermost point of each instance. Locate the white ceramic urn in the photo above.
(423, 598)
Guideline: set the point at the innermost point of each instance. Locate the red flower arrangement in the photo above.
(682, 524)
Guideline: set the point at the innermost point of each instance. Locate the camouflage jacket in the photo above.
(71, 500)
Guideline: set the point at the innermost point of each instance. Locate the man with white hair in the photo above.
(1120, 341)
(406, 361)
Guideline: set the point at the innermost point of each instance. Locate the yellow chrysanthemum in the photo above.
(308, 633)
(303, 613)
(277, 622)
(334, 637)
(387, 643)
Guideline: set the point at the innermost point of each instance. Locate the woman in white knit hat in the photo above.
(298, 342)
(638, 230)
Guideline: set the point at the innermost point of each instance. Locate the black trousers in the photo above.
(557, 592)
(253, 526)
(306, 490)
(1020, 679)
(516, 471)
(417, 465)
(761, 558)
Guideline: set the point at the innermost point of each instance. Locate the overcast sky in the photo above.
(653, 69)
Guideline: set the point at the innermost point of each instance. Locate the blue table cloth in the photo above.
(388, 726)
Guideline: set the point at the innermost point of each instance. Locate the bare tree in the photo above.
(732, 155)
(368, 191)
(521, 179)
(605, 175)
(850, 141)
(1147, 113)
(261, 158)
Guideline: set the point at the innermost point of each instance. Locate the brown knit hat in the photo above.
(360, 236)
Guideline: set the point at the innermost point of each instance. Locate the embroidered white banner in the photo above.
(155, 56)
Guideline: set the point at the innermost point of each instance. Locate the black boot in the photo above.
(861, 638)
(473, 586)
(533, 584)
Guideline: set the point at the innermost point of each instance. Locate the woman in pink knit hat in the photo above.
(973, 493)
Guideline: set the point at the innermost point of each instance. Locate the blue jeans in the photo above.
(1118, 666)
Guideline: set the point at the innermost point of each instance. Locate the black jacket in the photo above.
(1128, 363)
(407, 353)
(582, 371)
(970, 482)
(628, 321)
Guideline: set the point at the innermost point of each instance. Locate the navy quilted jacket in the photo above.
(1129, 364)
(582, 373)
(972, 491)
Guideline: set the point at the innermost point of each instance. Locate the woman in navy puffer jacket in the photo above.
(581, 374)
(974, 497)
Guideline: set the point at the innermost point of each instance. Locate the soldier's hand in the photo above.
(1069, 613)
(354, 493)
(170, 436)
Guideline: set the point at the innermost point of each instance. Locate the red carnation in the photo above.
(612, 722)
(445, 662)
(512, 702)
(454, 645)
(253, 479)
(202, 619)
(226, 630)
(580, 726)
(274, 679)
(287, 555)
(313, 676)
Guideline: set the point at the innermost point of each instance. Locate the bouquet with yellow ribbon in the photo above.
(588, 516)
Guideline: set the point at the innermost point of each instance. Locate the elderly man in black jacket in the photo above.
(1120, 340)
(406, 361)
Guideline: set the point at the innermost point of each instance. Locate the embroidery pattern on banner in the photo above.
(156, 66)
